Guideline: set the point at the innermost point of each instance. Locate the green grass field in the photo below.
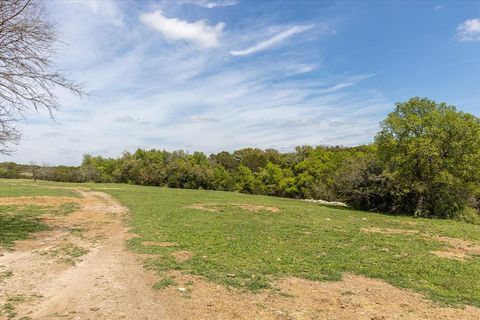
(250, 249)
(27, 188)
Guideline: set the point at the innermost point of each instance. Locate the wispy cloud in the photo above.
(275, 40)
(106, 9)
(198, 32)
(469, 30)
(213, 3)
(349, 82)
(150, 94)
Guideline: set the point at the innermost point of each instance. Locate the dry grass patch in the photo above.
(159, 244)
(215, 207)
(182, 256)
(212, 207)
(256, 208)
(354, 297)
(459, 249)
(38, 201)
(389, 231)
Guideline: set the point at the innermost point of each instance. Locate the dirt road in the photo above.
(80, 269)
(107, 282)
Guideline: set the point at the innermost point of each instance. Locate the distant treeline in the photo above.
(424, 162)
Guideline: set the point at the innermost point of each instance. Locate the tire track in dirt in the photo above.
(109, 282)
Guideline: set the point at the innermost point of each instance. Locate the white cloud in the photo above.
(276, 39)
(214, 4)
(149, 95)
(198, 32)
(469, 30)
(438, 8)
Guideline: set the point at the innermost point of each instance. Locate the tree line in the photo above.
(423, 162)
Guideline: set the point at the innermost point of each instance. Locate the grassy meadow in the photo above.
(247, 241)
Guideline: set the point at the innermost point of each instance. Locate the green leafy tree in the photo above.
(244, 179)
(432, 152)
(222, 179)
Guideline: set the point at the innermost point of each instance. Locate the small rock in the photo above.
(328, 219)
(95, 308)
(182, 289)
(231, 275)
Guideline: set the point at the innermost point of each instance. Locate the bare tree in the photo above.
(27, 77)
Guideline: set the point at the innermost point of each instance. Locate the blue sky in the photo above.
(222, 75)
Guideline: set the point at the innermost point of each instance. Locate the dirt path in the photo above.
(108, 283)
(80, 269)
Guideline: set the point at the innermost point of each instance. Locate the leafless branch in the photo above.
(27, 76)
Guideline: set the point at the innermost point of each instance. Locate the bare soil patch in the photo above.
(460, 256)
(212, 207)
(355, 297)
(215, 207)
(256, 208)
(459, 249)
(182, 256)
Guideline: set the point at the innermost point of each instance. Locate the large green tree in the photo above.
(432, 151)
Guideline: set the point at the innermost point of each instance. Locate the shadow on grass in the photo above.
(15, 227)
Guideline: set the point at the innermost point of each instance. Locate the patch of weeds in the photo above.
(347, 293)
(261, 305)
(18, 223)
(5, 274)
(8, 309)
(65, 209)
(17, 299)
(286, 294)
(258, 283)
(77, 231)
(164, 283)
(67, 253)
(282, 293)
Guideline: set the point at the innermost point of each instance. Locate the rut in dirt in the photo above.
(108, 282)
